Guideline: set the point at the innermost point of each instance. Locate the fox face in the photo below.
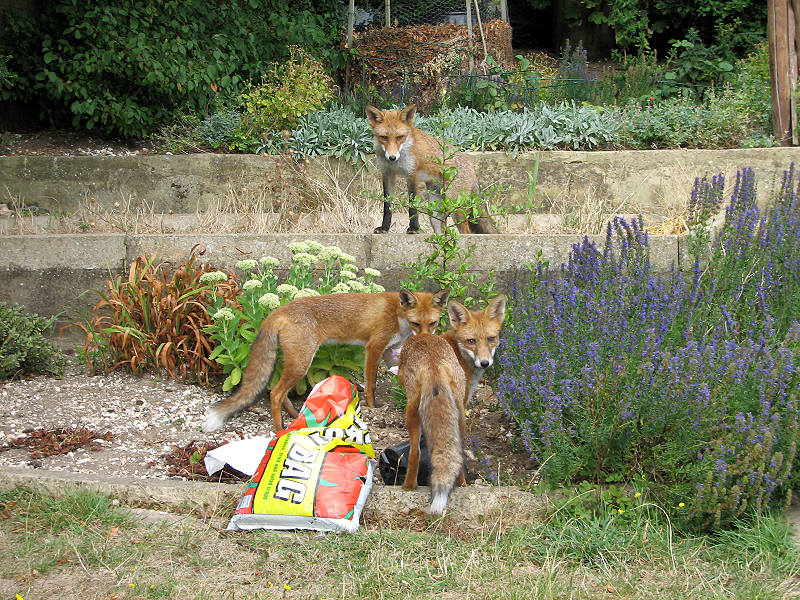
(422, 312)
(477, 332)
(392, 130)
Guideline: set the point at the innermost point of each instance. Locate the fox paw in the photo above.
(412, 230)
(381, 230)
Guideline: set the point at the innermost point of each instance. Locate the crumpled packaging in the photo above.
(317, 473)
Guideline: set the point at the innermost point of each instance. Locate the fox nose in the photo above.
(392, 157)
(485, 363)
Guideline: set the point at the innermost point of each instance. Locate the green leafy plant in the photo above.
(236, 320)
(154, 319)
(447, 264)
(289, 90)
(23, 347)
(126, 68)
(696, 65)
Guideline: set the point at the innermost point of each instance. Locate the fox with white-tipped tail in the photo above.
(435, 385)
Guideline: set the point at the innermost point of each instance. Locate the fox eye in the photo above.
(400, 138)
(434, 324)
(491, 339)
(471, 341)
(413, 324)
(383, 138)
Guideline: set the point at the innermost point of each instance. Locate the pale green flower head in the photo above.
(246, 265)
(329, 254)
(369, 271)
(347, 275)
(349, 267)
(251, 284)
(376, 288)
(286, 290)
(269, 301)
(347, 258)
(297, 247)
(269, 261)
(356, 286)
(214, 277)
(223, 314)
(304, 259)
(306, 293)
(340, 288)
(313, 247)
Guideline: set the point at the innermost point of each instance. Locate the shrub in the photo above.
(612, 370)
(236, 320)
(288, 91)
(154, 319)
(125, 68)
(23, 347)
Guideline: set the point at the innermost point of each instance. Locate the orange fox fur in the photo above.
(377, 321)
(402, 149)
(474, 337)
(435, 384)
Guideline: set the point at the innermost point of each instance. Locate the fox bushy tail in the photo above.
(440, 425)
(263, 354)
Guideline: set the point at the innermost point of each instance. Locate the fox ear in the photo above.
(407, 299)
(440, 298)
(458, 313)
(408, 113)
(374, 115)
(496, 310)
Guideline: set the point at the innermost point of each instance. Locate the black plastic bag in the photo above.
(393, 464)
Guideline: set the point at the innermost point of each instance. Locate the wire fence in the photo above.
(448, 53)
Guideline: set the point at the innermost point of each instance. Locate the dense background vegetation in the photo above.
(250, 76)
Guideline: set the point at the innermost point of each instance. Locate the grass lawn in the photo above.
(79, 545)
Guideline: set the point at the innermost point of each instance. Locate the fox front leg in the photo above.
(388, 191)
(413, 218)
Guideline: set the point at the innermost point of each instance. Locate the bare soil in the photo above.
(153, 419)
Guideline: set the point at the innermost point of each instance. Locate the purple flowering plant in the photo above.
(614, 371)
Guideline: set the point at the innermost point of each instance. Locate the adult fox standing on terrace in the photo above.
(378, 321)
(402, 149)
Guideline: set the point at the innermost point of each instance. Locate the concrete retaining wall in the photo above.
(57, 274)
(649, 182)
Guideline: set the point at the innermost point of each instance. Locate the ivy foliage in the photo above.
(127, 67)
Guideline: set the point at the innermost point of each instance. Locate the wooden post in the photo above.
(469, 36)
(351, 15)
(504, 10)
(388, 13)
(778, 36)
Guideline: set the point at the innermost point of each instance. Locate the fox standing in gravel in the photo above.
(435, 385)
(402, 149)
(377, 321)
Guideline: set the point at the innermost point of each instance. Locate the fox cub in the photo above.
(378, 321)
(474, 337)
(402, 149)
(435, 385)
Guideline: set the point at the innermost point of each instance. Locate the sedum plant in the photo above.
(314, 269)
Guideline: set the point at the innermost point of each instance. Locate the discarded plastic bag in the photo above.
(316, 473)
(393, 464)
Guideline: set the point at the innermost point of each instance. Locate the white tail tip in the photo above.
(214, 421)
(438, 504)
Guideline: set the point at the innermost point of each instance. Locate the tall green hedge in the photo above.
(126, 67)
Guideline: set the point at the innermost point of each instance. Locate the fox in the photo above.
(434, 382)
(474, 336)
(403, 149)
(377, 321)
